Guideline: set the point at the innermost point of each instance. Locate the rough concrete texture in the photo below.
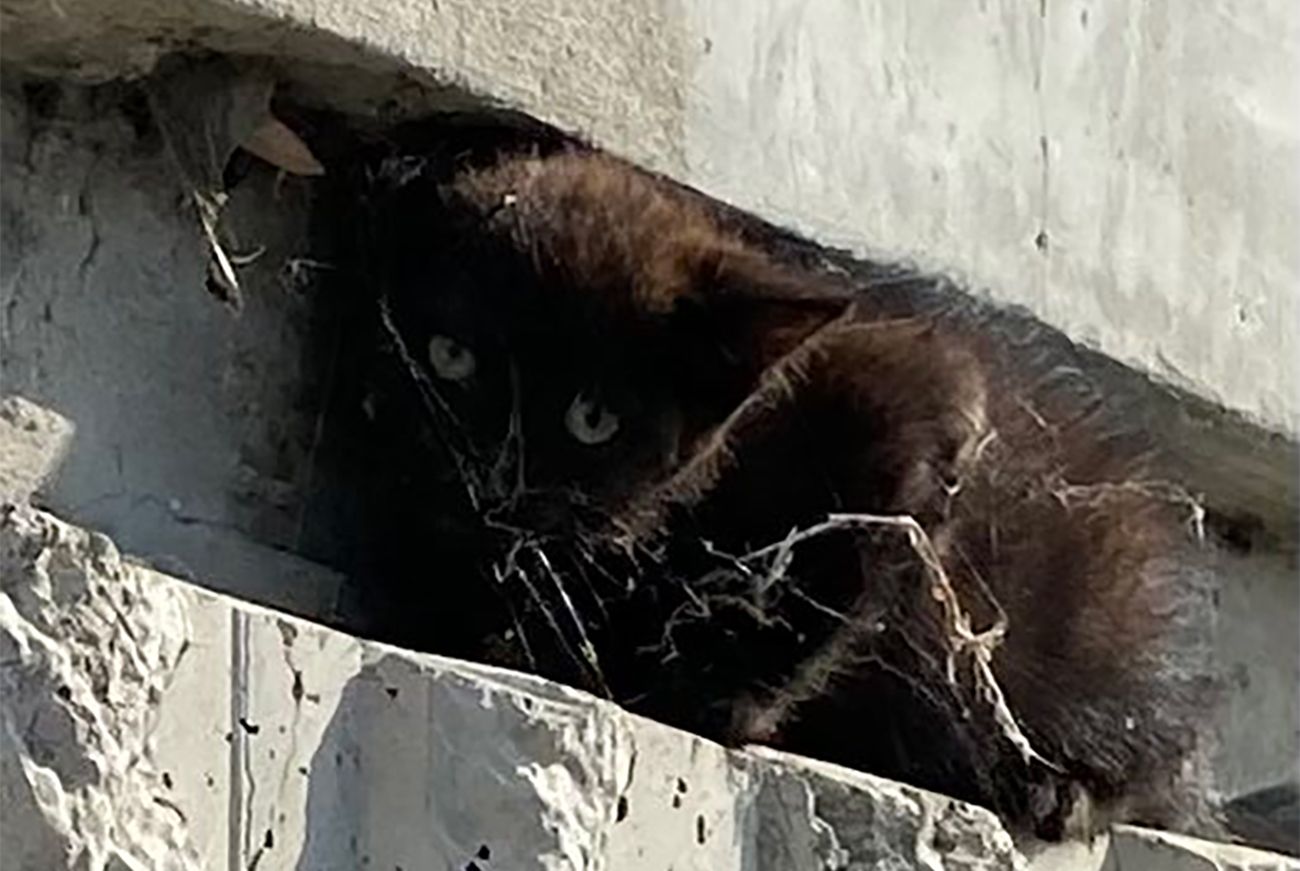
(587, 64)
(89, 646)
(1127, 848)
(1256, 646)
(148, 723)
(1128, 172)
(195, 425)
(33, 442)
(1134, 849)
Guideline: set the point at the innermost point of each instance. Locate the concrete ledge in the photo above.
(1134, 848)
(150, 723)
(612, 71)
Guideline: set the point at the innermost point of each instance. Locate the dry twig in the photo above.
(1152, 488)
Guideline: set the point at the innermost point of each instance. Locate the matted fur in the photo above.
(760, 397)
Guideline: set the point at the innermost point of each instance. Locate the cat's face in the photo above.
(582, 327)
(558, 409)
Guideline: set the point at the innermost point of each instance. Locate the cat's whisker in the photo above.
(445, 422)
(522, 575)
(500, 575)
(588, 649)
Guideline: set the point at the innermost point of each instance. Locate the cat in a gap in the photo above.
(750, 499)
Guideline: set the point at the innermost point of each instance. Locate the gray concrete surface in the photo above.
(148, 723)
(1256, 651)
(195, 424)
(1133, 849)
(1128, 172)
(33, 443)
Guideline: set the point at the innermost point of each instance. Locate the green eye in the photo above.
(590, 422)
(451, 361)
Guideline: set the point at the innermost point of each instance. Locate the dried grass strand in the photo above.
(963, 639)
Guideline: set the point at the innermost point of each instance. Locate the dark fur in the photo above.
(757, 397)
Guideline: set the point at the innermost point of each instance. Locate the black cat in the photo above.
(645, 456)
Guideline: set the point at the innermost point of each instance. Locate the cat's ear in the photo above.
(753, 311)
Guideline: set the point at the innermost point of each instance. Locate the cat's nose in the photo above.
(545, 513)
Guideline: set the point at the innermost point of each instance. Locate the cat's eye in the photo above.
(589, 421)
(450, 360)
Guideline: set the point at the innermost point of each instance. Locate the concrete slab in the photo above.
(150, 723)
(1127, 173)
(1132, 848)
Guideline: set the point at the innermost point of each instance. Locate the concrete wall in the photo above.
(1128, 171)
(194, 425)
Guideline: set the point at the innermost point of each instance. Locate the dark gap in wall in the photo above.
(373, 537)
(337, 321)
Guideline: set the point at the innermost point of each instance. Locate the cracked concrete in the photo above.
(334, 746)
(79, 707)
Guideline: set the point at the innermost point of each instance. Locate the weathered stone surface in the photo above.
(1258, 606)
(33, 441)
(151, 724)
(816, 815)
(612, 70)
(1129, 848)
(1134, 849)
(195, 425)
(89, 645)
